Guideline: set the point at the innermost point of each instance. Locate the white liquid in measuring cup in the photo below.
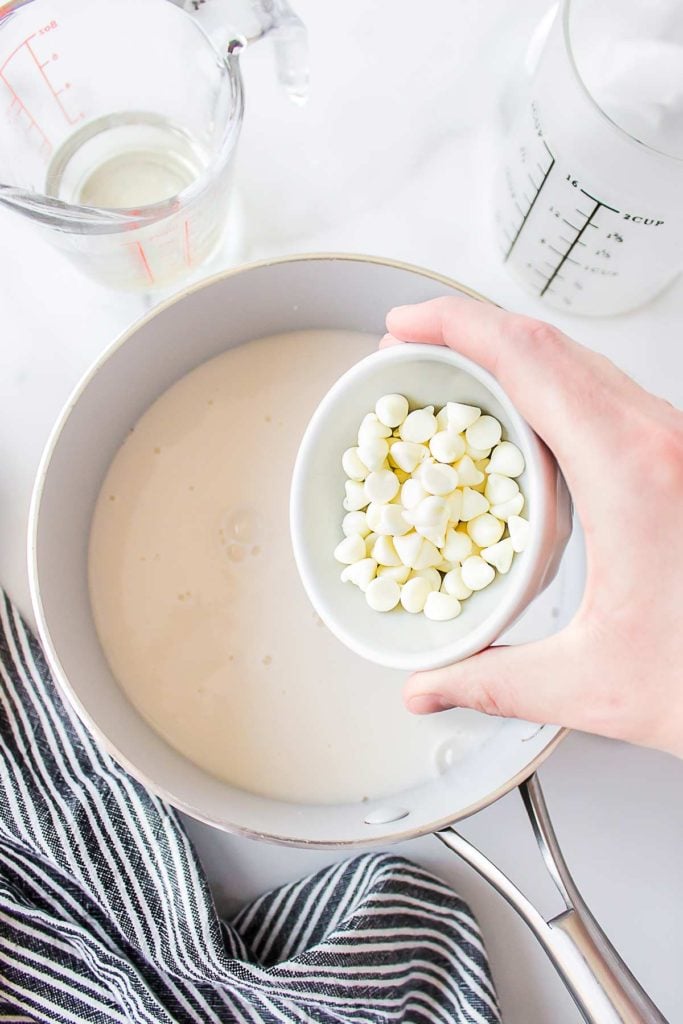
(199, 606)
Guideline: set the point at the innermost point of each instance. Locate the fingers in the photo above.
(539, 682)
(388, 341)
(572, 397)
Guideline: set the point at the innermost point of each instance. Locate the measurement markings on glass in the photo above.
(19, 55)
(566, 253)
(566, 257)
(21, 107)
(55, 92)
(539, 188)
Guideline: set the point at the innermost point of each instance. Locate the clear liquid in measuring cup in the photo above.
(133, 160)
(124, 161)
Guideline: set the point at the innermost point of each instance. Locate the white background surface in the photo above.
(393, 156)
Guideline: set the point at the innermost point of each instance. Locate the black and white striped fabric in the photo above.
(106, 916)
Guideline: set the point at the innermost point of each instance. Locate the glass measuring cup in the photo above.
(121, 119)
(589, 213)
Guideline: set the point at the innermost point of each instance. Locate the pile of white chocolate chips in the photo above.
(433, 507)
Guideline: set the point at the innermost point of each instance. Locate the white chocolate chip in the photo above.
(484, 433)
(519, 532)
(431, 575)
(384, 552)
(361, 573)
(433, 534)
(355, 522)
(350, 550)
(477, 454)
(476, 573)
(408, 548)
(372, 514)
(383, 594)
(473, 504)
(417, 551)
(432, 511)
(373, 452)
(441, 607)
(500, 488)
(407, 455)
(485, 530)
(508, 508)
(389, 520)
(461, 528)
(458, 546)
(400, 573)
(499, 555)
(382, 485)
(412, 493)
(447, 446)
(371, 428)
(419, 426)
(391, 410)
(460, 417)
(428, 557)
(468, 474)
(414, 594)
(454, 501)
(352, 465)
(454, 584)
(442, 419)
(437, 478)
(356, 498)
(506, 459)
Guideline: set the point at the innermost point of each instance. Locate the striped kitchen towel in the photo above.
(105, 913)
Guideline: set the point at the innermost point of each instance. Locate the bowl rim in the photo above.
(509, 607)
(555, 734)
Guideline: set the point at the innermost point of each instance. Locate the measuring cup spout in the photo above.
(254, 20)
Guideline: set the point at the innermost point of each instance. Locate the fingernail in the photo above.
(427, 704)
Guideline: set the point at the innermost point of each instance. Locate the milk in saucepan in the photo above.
(199, 607)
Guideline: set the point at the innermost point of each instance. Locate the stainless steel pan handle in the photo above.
(599, 981)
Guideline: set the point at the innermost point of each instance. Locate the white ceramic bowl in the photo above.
(426, 375)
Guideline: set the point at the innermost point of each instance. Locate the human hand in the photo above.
(617, 668)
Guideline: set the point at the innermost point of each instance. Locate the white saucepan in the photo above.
(351, 293)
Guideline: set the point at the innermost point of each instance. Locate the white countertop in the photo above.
(392, 156)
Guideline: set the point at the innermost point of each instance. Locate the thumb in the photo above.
(539, 682)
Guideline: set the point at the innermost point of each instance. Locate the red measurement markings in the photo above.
(55, 92)
(144, 261)
(186, 245)
(17, 100)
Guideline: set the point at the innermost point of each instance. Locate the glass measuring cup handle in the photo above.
(253, 20)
